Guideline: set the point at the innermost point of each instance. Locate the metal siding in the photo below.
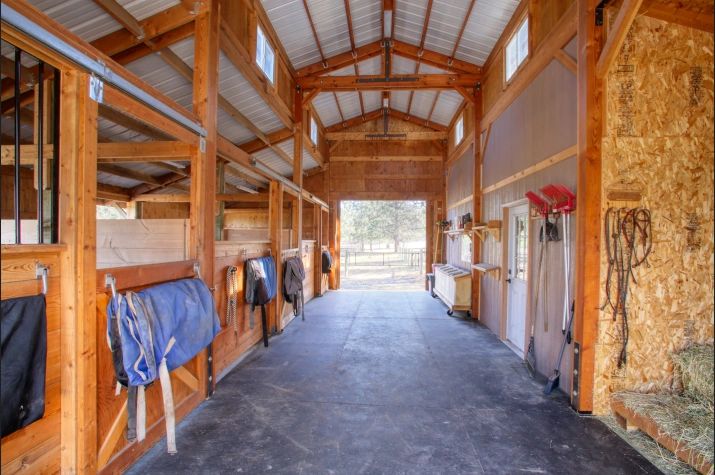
(327, 109)
(270, 159)
(409, 19)
(422, 103)
(485, 26)
(399, 100)
(107, 179)
(367, 21)
(247, 171)
(89, 21)
(349, 104)
(109, 131)
(308, 160)
(331, 25)
(445, 22)
(402, 65)
(154, 71)
(231, 129)
(447, 105)
(293, 28)
(429, 69)
(371, 66)
(372, 100)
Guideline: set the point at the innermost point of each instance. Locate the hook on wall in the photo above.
(197, 270)
(111, 282)
(41, 272)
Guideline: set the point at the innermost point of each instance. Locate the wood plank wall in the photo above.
(36, 448)
(664, 150)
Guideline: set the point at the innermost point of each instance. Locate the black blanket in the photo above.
(23, 352)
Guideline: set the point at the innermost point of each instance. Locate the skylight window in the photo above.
(459, 131)
(517, 49)
(313, 131)
(265, 57)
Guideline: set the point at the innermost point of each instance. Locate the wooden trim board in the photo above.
(552, 160)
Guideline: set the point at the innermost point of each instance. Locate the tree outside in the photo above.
(382, 244)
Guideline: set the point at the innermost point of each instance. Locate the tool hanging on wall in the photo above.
(553, 381)
(441, 227)
(542, 208)
(629, 242)
(563, 201)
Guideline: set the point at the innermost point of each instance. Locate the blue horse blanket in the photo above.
(175, 321)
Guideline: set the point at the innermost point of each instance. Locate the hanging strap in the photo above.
(141, 414)
(168, 397)
(264, 321)
(131, 413)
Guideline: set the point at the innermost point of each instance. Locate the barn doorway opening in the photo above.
(382, 245)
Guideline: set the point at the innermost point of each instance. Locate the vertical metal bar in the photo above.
(18, 71)
(40, 106)
(54, 189)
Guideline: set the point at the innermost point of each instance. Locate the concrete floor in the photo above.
(385, 382)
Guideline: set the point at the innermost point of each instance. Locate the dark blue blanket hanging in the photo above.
(261, 287)
(23, 350)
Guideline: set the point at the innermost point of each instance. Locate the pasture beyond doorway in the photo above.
(383, 245)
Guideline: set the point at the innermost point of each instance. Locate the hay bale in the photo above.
(694, 366)
(683, 419)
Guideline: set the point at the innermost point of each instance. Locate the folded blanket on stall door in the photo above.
(23, 346)
(161, 328)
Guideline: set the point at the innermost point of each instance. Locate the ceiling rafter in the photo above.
(397, 81)
(349, 19)
(315, 32)
(423, 36)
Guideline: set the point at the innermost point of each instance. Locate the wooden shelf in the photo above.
(453, 233)
(486, 269)
(482, 230)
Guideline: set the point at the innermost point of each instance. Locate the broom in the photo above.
(553, 381)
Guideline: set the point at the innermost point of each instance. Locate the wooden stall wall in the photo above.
(307, 255)
(36, 447)
(531, 144)
(231, 344)
(659, 141)
(250, 225)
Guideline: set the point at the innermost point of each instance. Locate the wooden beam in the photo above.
(355, 121)
(78, 322)
(681, 13)
(477, 201)
(232, 153)
(143, 151)
(537, 167)
(275, 225)
(119, 171)
(588, 211)
(617, 35)
(113, 193)
(231, 171)
(564, 58)
(386, 158)
(433, 58)
(341, 60)
(243, 61)
(132, 123)
(563, 31)
(123, 17)
(163, 22)
(417, 120)
(159, 42)
(297, 206)
(274, 138)
(395, 82)
(353, 136)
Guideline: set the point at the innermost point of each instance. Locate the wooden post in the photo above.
(318, 263)
(297, 222)
(431, 237)
(335, 243)
(78, 287)
(203, 167)
(477, 200)
(275, 224)
(588, 209)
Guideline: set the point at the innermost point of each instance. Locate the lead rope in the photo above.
(232, 293)
(629, 242)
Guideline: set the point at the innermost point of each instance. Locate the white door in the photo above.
(516, 279)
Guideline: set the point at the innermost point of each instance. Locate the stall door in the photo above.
(517, 272)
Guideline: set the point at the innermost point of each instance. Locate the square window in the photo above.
(517, 49)
(459, 131)
(265, 57)
(313, 131)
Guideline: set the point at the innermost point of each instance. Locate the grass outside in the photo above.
(382, 270)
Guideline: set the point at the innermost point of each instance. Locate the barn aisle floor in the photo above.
(385, 382)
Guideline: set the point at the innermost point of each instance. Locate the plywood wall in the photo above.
(130, 242)
(659, 138)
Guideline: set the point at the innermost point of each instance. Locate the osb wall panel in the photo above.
(130, 242)
(549, 314)
(538, 124)
(36, 448)
(659, 138)
(460, 182)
